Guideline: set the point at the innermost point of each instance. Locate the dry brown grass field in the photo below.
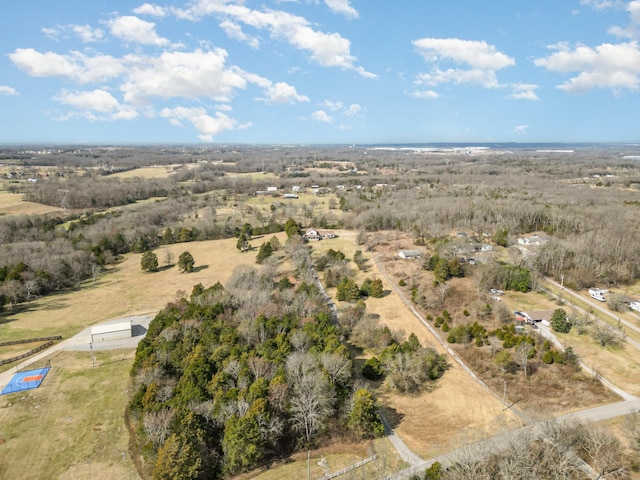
(619, 366)
(14, 204)
(71, 427)
(159, 171)
(254, 176)
(126, 290)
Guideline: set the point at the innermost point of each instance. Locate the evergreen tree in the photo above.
(364, 420)
(291, 228)
(185, 262)
(178, 459)
(266, 250)
(149, 261)
(244, 236)
(559, 321)
(275, 244)
(376, 290)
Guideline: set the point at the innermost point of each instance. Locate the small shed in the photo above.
(111, 331)
(409, 254)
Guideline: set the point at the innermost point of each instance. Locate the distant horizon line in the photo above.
(467, 144)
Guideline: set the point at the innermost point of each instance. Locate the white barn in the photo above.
(408, 254)
(111, 331)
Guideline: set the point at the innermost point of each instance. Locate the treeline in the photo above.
(98, 192)
(43, 254)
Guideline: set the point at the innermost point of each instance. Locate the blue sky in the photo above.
(320, 71)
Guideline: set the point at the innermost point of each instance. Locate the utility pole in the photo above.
(504, 394)
(308, 464)
(93, 362)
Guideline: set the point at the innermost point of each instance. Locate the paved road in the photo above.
(535, 430)
(595, 305)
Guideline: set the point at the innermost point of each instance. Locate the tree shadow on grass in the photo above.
(109, 363)
(199, 268)
(392, 416)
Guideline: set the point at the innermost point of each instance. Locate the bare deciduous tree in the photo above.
(606, 336)
(338, 367)
(158, 425)
(523, 350)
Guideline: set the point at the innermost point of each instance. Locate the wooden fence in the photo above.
(329, 476)
(30, 340)
(29, 353)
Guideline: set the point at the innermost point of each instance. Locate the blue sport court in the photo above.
(26, 380)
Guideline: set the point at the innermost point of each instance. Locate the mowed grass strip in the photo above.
(72, 426)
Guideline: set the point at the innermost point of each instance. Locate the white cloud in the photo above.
(425, 94)
(602, 4)
(233, 30)
(150, 10)
(322, 116)
(480, 60)
(51, 33)
(96, 105)
(632, 30)
(141, 78)
(353, 110)
(132, 29)
(613, 66)
(281, 93)
(5, 90)
(182, 74)
(520, 129)
(349, 111)
(207, 125)
(523, 91)
(74, 66)
(486, 78)
(342, 7)
(326, 49)
(333, 106)
(87, 33)
(477, 54)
